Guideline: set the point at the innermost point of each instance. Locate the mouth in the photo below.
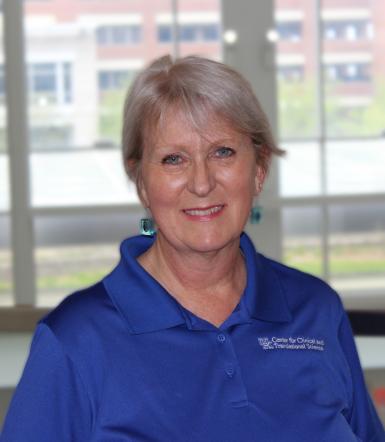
(204, 212)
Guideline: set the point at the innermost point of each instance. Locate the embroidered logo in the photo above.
(291, 343)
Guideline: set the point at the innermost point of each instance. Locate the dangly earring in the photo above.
(255, 214)
(256, 210)
(147, 227)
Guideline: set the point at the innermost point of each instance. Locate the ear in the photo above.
(142, 193)
(260, 175)
(133, 169)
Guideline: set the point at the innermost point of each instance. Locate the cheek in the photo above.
(162, 191)
(240, 181)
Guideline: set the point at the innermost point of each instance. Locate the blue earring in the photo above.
(147, 227)
(255, 215)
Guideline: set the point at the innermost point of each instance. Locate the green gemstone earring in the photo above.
(255, 214)
(147, 227)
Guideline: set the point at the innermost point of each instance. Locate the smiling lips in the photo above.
(204, 213)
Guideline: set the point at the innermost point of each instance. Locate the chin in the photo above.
(211, 243)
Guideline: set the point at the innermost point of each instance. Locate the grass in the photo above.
(345, 260)
(352, 260)
(70, 281)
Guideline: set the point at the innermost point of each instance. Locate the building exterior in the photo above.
(82, 54)
(353, 40)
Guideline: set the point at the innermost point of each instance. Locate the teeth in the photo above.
(197, 212)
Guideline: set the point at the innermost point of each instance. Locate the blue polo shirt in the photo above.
(123, 361)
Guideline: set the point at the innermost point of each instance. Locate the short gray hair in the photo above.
(197, 86)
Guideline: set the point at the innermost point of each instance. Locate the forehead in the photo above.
(178, 126)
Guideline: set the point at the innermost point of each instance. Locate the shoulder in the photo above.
(79, 308)
(301, 288)
(84, 321)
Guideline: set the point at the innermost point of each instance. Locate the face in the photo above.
(199, 186)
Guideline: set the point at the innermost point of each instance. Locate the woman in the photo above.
(194, 336)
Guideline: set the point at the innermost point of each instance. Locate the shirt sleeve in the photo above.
(50, 402)
(362, 417)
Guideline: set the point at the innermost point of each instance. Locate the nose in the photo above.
(201, 180)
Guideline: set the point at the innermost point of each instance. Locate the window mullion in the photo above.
(175, 28)
(253, 55)
(17, 132)
(321, 115)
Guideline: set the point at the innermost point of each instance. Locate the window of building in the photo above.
(164, 33)
(346, 29)
(289, 30)
(50, 83)
(118, 35)
(349, 72)
(43, 81)
(110, 80)
(190, 33)
(291, 73)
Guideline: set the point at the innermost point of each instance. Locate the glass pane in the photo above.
(356, 166)
(4, 161)
(199, 28)
(4, 182)
(74, 251)
(299, 169)
(81, 59)
(91, 176)
(6, 290)
(295, 58)
(302, 238)
(5, 262)
(357, 247)
(372, 356)
(353, 68)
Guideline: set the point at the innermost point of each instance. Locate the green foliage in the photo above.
(358, 121)
(298, 118)
(71, 281)
(111, 116)
(348, 260)
(374, 115)
(297, 109)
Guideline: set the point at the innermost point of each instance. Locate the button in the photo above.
(221, 338)
(230, 372)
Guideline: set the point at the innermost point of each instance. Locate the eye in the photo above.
(224, 152)
(172, 159)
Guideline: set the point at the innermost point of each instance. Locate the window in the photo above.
(80, 61)
(347, 29)
(114, 80)
(50, 137)
(2, 82)
(332, 184)
(50, 83)
(119, 35)
(291, 73)
(348, 72)
(290, 30)
(74, 120)
(164, 33)
(190, 33)
(43, 82)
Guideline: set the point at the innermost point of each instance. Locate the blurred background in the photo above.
(318, 67)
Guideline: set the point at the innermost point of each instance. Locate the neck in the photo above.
(191, 275)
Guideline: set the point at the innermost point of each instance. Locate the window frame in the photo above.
(252, 33)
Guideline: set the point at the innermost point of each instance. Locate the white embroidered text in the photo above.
(291, 343)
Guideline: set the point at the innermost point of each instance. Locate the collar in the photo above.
(148, 307)
(264, 295)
